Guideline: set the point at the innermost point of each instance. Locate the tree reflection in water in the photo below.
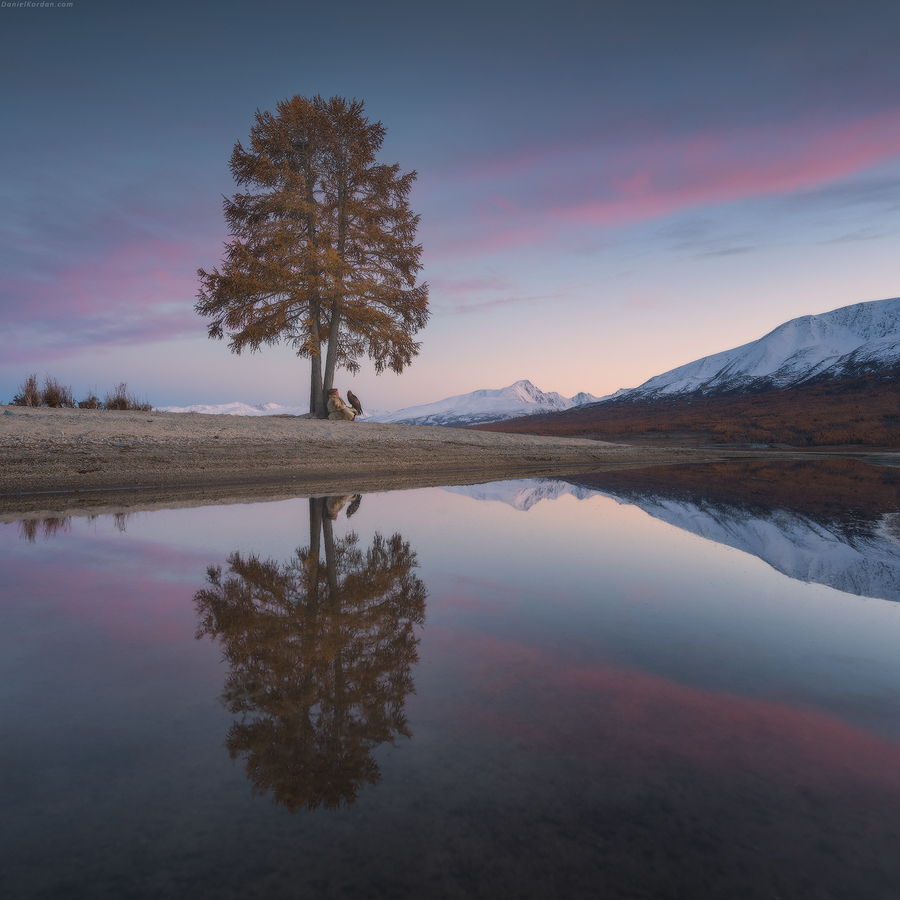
(320, 657)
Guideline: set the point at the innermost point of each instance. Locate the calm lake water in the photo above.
(680, 684)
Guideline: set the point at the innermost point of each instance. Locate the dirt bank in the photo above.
(65, 450)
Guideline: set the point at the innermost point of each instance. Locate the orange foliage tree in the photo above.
(322, 249)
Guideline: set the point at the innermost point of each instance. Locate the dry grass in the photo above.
(119, 398)
(29, 393)
(59, 396)
(91, 401)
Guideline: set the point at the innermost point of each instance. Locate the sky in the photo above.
(607, 190)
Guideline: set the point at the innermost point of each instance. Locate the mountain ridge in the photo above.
(848, 342)
(521, 398)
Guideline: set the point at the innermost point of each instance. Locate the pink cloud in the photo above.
(529, 197)
(134, 292)
(130, 277)
(455, 287)
(710, 169)
(528, 693)
(481, 293)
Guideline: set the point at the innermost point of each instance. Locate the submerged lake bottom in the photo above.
(662, 683)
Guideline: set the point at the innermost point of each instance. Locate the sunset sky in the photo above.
(607, 189)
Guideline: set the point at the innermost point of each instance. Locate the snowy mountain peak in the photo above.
(486, 405)
(530, 394)
(848, 342)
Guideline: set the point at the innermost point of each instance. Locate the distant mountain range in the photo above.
(849, 342)
(519, 399)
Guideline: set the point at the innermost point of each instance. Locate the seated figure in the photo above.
(337, 409)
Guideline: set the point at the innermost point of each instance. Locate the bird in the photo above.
(354, 402)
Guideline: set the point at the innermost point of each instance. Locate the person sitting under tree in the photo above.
(337, 409)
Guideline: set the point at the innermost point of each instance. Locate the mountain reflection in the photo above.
(834, 522)
(320, 657)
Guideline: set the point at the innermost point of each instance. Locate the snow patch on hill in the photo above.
(865, 564)
(519, 399)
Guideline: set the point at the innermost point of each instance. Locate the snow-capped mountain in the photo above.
(844, 343)
(519, 399)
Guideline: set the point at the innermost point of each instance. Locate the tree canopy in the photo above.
(322, 248)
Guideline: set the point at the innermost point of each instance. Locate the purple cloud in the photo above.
(547, 194)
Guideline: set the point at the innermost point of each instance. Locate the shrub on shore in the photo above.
(29, 393)
(92, 401)
(57, 395)
(119, 398)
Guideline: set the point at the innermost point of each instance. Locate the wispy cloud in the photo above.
(479, 293)
(134, 292)
(549, 194)
(710, 169)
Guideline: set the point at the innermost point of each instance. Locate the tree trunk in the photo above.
(334, 327)
(316, 391)
(331, 563)
(317, 397)
(334, 331)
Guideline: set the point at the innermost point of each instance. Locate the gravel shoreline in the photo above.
(64, 450)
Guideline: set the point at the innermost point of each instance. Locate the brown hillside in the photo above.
(862, 412)
(826, 489)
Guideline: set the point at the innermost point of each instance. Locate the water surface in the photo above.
(621, 685)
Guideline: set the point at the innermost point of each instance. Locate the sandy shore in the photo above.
(46, 451)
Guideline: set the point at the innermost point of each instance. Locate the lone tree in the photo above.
(322, 248)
